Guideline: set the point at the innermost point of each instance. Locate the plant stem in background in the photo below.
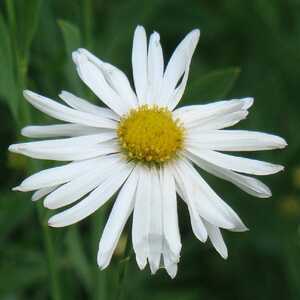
(123, 268)
(20, 68)
(87, 23)
(100, 284)
(51, 261)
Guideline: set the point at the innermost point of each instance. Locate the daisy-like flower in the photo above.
(144, 150)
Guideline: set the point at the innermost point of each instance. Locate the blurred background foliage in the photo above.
(247, 48)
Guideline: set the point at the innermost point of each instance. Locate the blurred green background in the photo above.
(247, 48)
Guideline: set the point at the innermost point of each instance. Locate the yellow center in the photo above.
(150, 134)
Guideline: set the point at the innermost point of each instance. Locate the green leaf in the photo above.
(14, 209)
(78, 257)
(27, 13)
(213, 86)
(71, 35)
(16, 39)
(21, 268)
(72, 39)
(8, 85)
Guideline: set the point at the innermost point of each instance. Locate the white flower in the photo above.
(144, 150)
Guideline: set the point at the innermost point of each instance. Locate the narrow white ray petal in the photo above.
(156, 235)
(140, 64)
(92, 76)
(141, 218)
(155, 69)
(85, 106)
(198, 227)
(114, 77)
(216, 239)
(67, 153)
(60, 130)
(64, 113)
(195, 114)
(234, 163)
(41, 193)
(59, 175)
(235, 140)
(179, 91)
(83, 184)
(248, 184)
(169, 262)
(177, 67)
(216, 201)
(120, 83)
(80, 141)
(187, 194)
(118, 217)
(217, 122)
(170, 215)
(172, 269)
(209, 205)
(248, 102)
(93, 201)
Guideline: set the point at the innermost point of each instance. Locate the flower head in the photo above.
(143, 149)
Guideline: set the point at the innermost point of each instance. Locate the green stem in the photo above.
(98, 222)
(47, 237)
(51, 262)
(21, 64)
(87, 22)
(123, 269)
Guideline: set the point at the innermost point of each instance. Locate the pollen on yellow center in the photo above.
(150, 134)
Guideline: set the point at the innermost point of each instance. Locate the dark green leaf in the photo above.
(213, 86)
(14, 209)
(21, 269)
(8, 86)
(72, 40)
(78, 257)
(26, 26)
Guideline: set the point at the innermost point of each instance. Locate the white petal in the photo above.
(218, 122)
(140, 64)
(155, 69)
(198, 227)
(83, 184)
(178, 65)
(92, 202)
(59, 175)
(216, 239)
(141, 218)
(120, 212)
(156, 237)
(216, 201)
(82, 141)
(172, 269)
(248, 184)
(85, 106)
(182, 181)
(238, 164)
(93, 77)
(193, 115)
(64, 113)
(66, 153)
(236, 140)
(248, 102)
(209, 205)
(39, 194)
(169, 261)
(170, 215)
(114, 77)
(60, 130)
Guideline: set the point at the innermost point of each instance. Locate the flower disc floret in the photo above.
(150, 134)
